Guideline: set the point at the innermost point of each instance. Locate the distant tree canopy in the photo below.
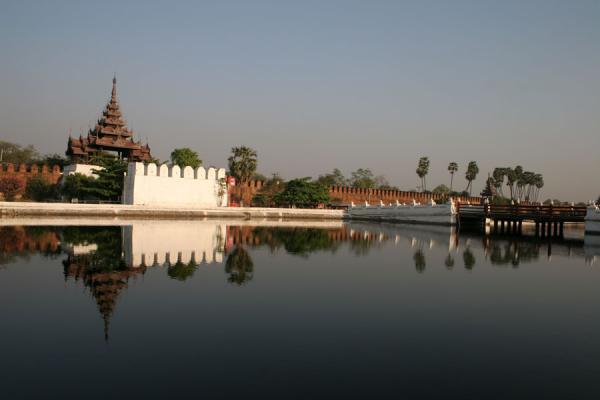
(302, 193)
(363, 178)
(242, 163)
(185, 157)
(335, 178)
(15, 153)
(441, 189)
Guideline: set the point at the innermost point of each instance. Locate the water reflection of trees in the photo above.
(468, 258)
(513, 252)
(419, 258)
(239, 266)
(302, 241)
(297, 241)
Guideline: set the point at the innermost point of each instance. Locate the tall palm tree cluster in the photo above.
(522, 185)
(470, 174)
(422, 171)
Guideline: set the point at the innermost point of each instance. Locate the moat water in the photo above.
(222, 309)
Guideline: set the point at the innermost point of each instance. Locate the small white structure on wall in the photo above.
(168, 186)
(84, 169)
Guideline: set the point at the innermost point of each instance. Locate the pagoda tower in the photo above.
(110, 135)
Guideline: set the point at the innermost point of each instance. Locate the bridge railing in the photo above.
(519, 211)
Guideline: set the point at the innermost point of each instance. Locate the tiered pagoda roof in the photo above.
(110, 134)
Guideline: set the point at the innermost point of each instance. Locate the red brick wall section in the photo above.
(347, 195)
(51, 174)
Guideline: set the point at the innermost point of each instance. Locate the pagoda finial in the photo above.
(114, 87)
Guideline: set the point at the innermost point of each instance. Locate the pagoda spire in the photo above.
(114, 88)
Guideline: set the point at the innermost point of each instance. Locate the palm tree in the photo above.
(471, 174)
(423, 170)
(452, 168)
(519, 181)
(498, 176)
(242, 163)
(511, 178)
(539, 183)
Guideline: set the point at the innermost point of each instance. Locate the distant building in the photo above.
(110, 135)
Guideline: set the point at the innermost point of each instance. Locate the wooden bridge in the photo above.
(549, 220)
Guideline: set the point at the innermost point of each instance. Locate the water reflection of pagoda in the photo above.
(109, 135)
(99, 266)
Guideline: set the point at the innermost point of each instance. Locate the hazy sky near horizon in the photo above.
(314, 85)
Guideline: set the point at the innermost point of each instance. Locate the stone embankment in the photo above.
(431, 214)
(29, 209)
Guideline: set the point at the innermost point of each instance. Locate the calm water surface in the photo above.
(278, 309)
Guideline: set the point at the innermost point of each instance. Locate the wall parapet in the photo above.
(174, 171)
(170, 185)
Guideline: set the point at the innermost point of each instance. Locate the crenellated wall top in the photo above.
(174, 171)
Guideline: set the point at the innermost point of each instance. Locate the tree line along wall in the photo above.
(344, 195)
(50, 174)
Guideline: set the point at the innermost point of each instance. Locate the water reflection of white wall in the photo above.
(158, 242)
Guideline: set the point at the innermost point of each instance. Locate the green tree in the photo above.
(17, 154)
(302, 193)
(335, 178)
(422, 171)
(452, 168)
(441, 189)
(110, 178)
(271, 187)
(76, 186)
(185, 157)
(10, 186)
(39, 189)
(363, 178)
(242, 163)
(471, 175)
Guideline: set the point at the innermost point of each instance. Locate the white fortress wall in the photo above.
(164, 185)
(147, 243)
(592, 220)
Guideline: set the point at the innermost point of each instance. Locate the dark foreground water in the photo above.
(216, 309)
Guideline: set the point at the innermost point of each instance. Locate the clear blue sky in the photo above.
(314, 85)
